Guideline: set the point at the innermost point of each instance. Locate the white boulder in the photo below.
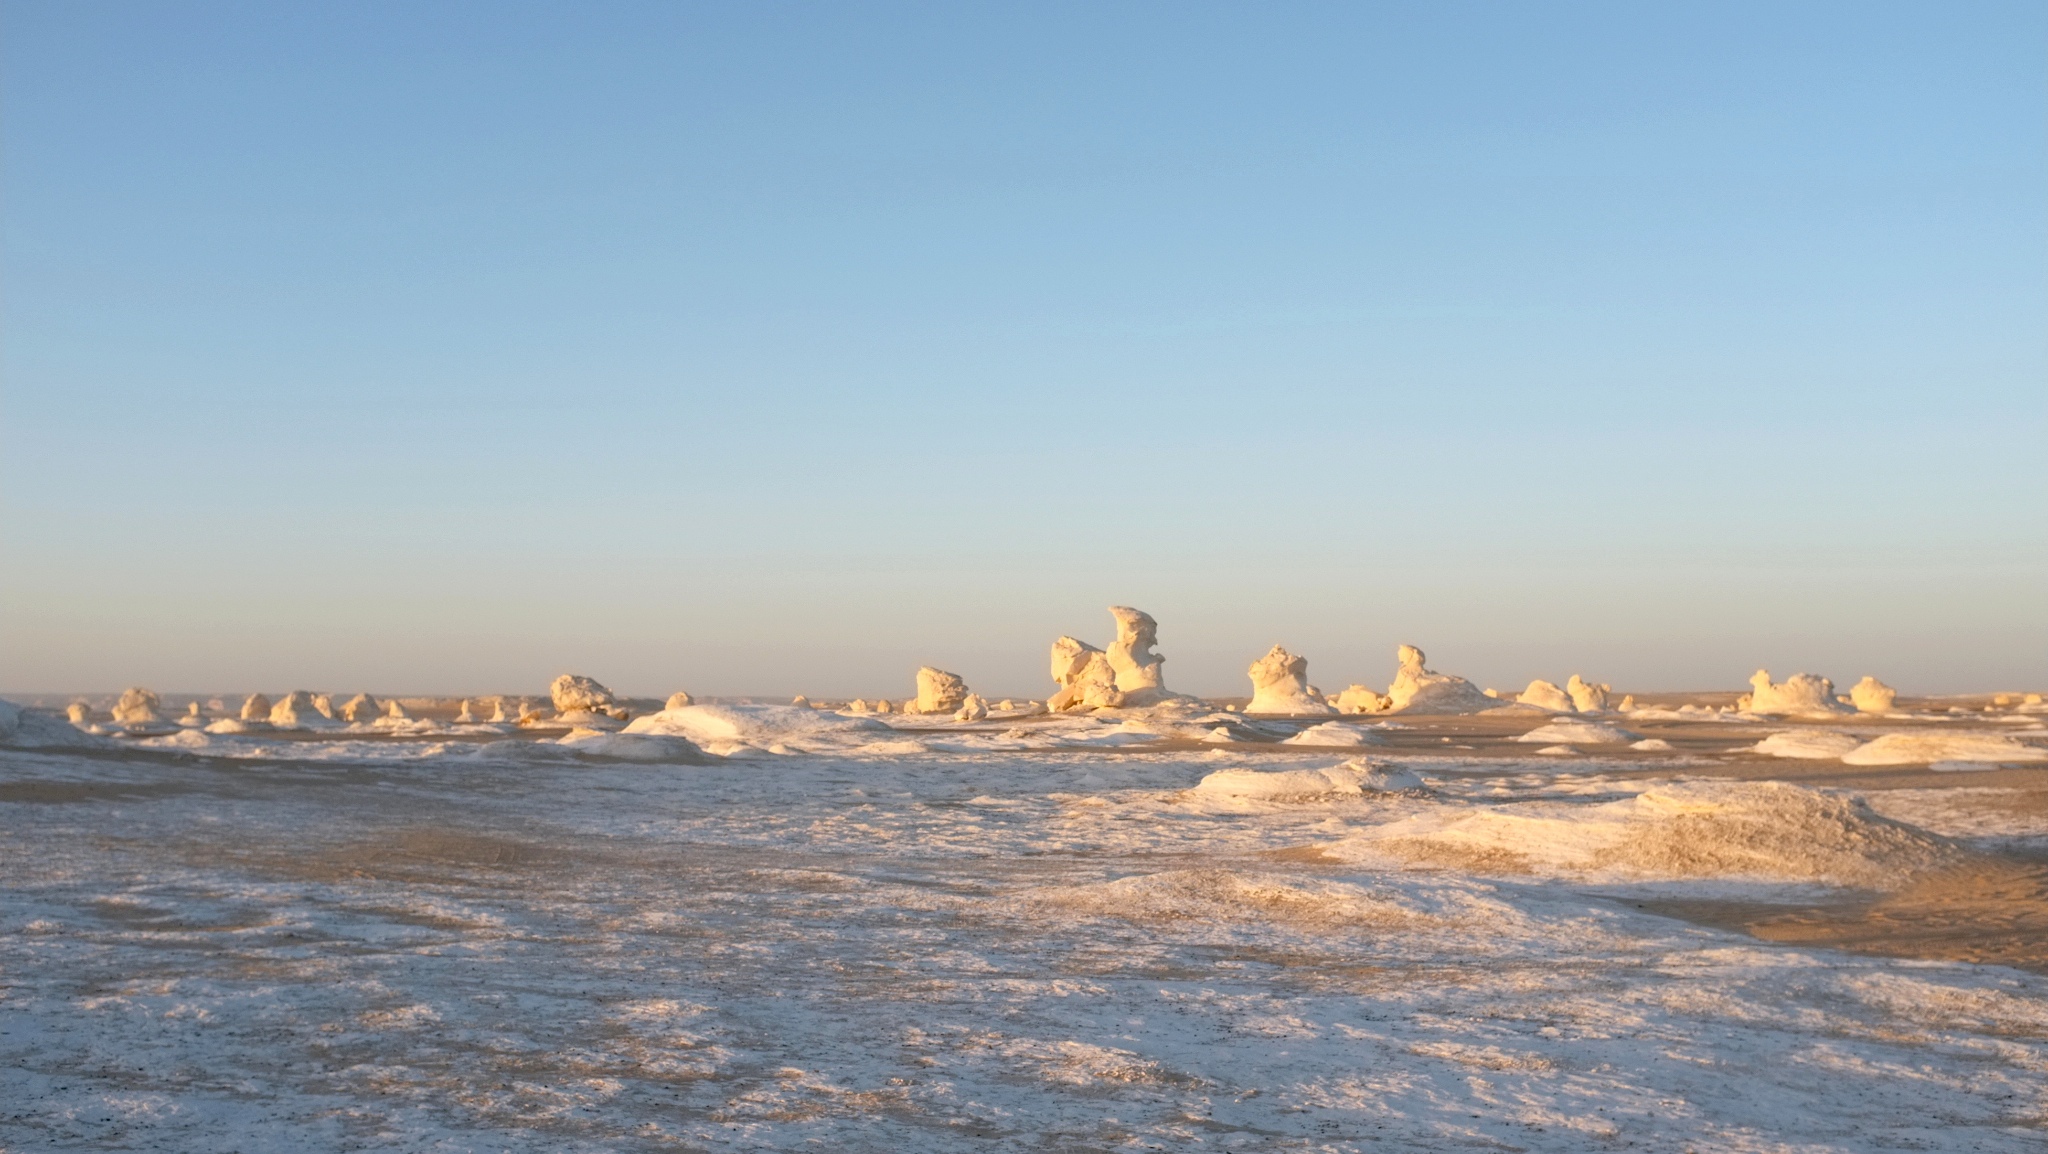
(361, 709)
(1361, 699)
(1085, 677)
(295, 711)
(1425, 691)
(573, 693)
(972, 709)
(137, 706)
(194, 718)
(1280, 685)
(1586, 696)
(78, 712)
(937, 692)
(463, 715)
(1872, 696)
(1137, 668)
(256, 708)
(1799, 693)
(678, 699)
(1544, 695)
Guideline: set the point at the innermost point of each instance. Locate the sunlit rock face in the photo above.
(364, 709)
(1799, 693)
(938, 691)
(972, 709)
(1136, 666)
(1085, 678)
(1586, 696)
(679, 699)
(1280, 685)
(575, 693)
(1361, 699)
(295, 711)
(1423, 690)
(256, 708)
(137, 706)
(1872, 696)
(1544, 695)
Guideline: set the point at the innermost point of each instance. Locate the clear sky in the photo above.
(764, 348)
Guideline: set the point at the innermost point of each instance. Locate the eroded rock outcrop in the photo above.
(1586, 696)
(1799, 693)
(256, 708)
(1136, 666)
(362, 709)
(1424, 690)
(1086, 678)
(1545, 695)
(573, 694)
(678, 699)
(1872, 696)
(295, 711)
(972, 709)
(937, 692)
(138, 706)
(1280, 685)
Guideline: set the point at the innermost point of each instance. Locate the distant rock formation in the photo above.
(937, 692)
(1361, 699)
(294, 711)
(800, 701)
(1545, 695)
(678, 699)
(324, 704)
(1586, 696)
(137, 706)
(256, 708)
(361, 709)
(499, 714)
(79, 712)
(573, 693)
(194, 718)
(1872, 696)
(463, 716)
(1131, 658)
(1426, 691)
(1799, 693)
(972, 709)
(1085, 677)
(1280, 685)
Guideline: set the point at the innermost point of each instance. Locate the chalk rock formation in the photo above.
(1544, 695)
(1426, 691)
(882, 705)
(1628, 703)
(800, 701)
(937, 692)
(1085, 676)
(395, 712)
(678, 699)
(1799, 693)
(500, 715)
(1280, 685)
(856, 706)
(362, 709)
(463, 716)
(1872, 696)
(972, 709)
(1361, 699)
(574, 694)
(138, 706)
(193, 718)
(1137, 668)
(295, 711)
(256, 708)
(79, 712)
(1587, 697)
(324, 704)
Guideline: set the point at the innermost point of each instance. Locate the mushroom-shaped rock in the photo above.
(256, 708)
(1872, 696)
(678, 699)
(937, 691)
(1586, 696)
(1424, 690)
(574, 693)
(1799, 693)
(973, 708)
(1544, 695)
(1136, 667)
(1360, 699)
(362, 709)
(1280, 685)
(137, 706)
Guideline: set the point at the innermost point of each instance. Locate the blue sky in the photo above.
(772, 348)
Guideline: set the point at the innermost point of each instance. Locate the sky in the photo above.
(771, 348)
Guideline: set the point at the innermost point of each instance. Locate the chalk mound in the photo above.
(1586, 696)
(1421, 690)
(1928, 748)
(727, 728)
(1750, 831)
(1810, 744)
(1652, 745)
(1801, 693)
(972, 709)
(573, 694)
(1572, 731)
(1361, 699)
(297, 711)
(938, 692)
(666, 749)
(1280, 686)
(1085, 677)
(1352, 779)
(362, 709)
(1334, 733)
(138, 706)
(256, 707)
(1213, 897)
(194, 717)
(1872, 696)
(23, 728)
(1545, 695)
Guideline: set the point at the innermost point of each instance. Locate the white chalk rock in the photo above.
(800, 701)
(256, 708)
(575, 693)
(1573, 731)
(499, 714)
(937, 692)
(1936, 748)
(1800, 693)
(1085, 676)
(138, 706)
(1544, 695)
(1426, 691)
(78, 712)
(1334, 734)
(972, 709)
(1352, 779)
(1361, 699)
(1280, 685)
(32, 728)
(856, 706)
(1872, 696)
(323, 703)
(361, 709)
(882, 705)
(1586, 696)
(679, 699)
(1628, 703)
(463, 715)
(1136, 666)
(193, 718)
(1807, 744)
(295, 711)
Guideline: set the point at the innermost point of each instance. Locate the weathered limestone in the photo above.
(973, 708)
(1361, 699)
(1424, 690)
(294, 711)
(678, 699)
(937, 692)
(1280, 685)
(1545, 695)
(1586, 696)
(1137, 668)
(79, 712)
(1799, 693)
(361, 709)
(1085, 676)
(1872, 696)
(573, 693)
(256, 708)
